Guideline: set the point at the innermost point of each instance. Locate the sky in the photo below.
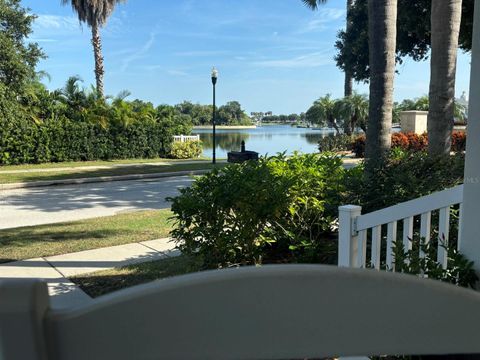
(272, 55)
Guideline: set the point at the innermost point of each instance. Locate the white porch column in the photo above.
(470, 241)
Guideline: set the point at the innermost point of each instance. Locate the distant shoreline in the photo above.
(225, 127)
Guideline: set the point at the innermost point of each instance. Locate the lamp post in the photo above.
(214, 81)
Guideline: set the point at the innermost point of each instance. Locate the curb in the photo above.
(101, 179)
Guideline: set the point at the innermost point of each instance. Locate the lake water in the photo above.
(268, 139)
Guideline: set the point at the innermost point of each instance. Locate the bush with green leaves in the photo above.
(186, 150)
(335, 143)
(275, 209)
(402, 176)
(421, 259)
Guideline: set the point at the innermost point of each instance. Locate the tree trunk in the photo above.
(445, 20)
(333, 123)
(97, 52)
(382, 30)
(348, 86)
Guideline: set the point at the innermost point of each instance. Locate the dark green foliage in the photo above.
(24, 141)
(422, 259)
(229, 114)
(331, 142)
(276, 209)
(186, 150)
(413, 35)
(402, 176)
(18, 57)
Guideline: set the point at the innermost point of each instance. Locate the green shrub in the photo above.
(335, 143)
(274, 209)
(403, 176)
(24, 141)
(358, 146)
(186, 150)
(459, 270)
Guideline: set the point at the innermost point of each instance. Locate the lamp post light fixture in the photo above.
(214, 82)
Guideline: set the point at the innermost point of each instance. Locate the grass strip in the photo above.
(63, 238)
(106, 281)
(9, 178)
(68, 164)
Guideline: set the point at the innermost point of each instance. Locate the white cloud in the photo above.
(177, 73)
(201, 53)
(40, 40)
(139, 54)
(304, 61)
(55, 22)
(322, 19)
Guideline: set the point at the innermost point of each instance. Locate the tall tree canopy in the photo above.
(413, 35)
(18, 58)
(95, 14)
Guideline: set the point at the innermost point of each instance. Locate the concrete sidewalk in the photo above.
(56, 270)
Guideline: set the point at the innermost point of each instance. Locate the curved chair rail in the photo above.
(271, 312)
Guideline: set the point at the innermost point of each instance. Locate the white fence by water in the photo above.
(185, 138)
(356, 229)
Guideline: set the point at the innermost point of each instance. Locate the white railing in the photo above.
(356, 229)
(185, 138)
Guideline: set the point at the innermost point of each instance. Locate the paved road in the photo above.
(35, 206)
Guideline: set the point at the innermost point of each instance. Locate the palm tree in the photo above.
(445, 23)
(323, 112)
(95, 13)
(313, 4)
(382, 30)
(354, 110)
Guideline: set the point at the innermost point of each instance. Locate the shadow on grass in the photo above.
(29, 242)
(104, 282)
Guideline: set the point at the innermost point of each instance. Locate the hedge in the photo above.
(411, 142)
(24, 141)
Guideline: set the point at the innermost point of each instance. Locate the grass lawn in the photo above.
(68, 164)
(8, 178)
(55, 239)
(104, 282)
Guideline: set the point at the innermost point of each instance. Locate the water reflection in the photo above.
(265, 140)
(225, 141)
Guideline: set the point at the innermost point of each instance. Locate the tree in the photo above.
(95, 13)
(413, 35)
(323, 112)
(354, 111)
(18, 58)
(313, 4)
(445, 20)
(382, 18)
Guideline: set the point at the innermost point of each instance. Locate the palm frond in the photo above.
(93, 11)
(313, 4)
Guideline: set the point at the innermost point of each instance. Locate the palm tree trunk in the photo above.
(333, 123)
(382, 18)
(348, 86)
(445, 20)
(97, 51)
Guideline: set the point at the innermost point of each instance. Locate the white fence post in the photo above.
(347, 239)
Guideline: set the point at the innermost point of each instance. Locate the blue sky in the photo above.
(271, 54)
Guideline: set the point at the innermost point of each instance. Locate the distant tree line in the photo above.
(229, 114)
(284, 119)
